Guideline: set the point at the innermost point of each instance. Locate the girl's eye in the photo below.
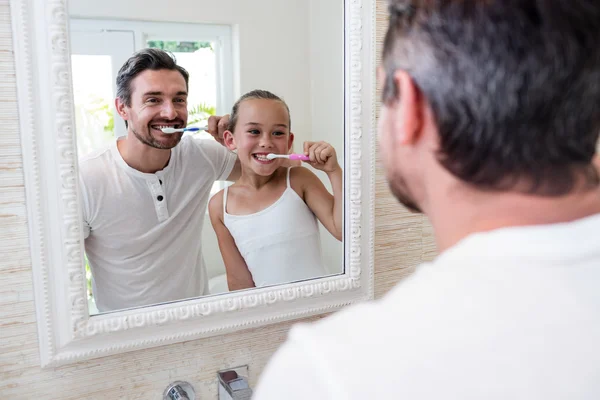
(254, 131)
(278, 133)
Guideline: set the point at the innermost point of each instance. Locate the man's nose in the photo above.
(168, 111)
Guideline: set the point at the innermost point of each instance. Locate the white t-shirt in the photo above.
(509, 314)
(143, 231)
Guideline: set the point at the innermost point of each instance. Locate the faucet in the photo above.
(179, 391)
(233, 384)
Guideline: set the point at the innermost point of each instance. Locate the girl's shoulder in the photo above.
(215, 204)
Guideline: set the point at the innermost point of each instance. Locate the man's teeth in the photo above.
(164, 126)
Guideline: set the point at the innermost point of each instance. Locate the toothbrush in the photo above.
(190, 129)
(300, 157)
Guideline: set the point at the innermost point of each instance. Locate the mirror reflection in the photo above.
(170, 215)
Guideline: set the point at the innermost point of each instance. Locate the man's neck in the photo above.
(142, 157)
(461, 215)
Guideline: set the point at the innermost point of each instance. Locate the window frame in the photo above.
(143, 31)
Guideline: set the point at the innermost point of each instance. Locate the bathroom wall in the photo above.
(402, 241)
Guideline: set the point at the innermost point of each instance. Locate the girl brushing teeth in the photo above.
(266, 222)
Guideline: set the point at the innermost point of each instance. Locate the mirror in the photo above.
(328, 88)
(149, 235)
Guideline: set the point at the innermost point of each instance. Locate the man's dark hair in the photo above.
(145, 59)
(514, 86)
(255, 94)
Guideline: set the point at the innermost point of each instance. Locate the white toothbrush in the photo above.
(190, 129)
(300, 157)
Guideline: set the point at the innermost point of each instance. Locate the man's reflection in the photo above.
(144, 197)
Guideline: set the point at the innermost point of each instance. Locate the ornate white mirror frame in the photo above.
(67, 333)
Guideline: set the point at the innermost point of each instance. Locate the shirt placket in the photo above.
(157, 189)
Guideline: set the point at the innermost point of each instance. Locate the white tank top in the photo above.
(281, 243)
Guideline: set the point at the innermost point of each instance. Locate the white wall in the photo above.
(326, 33)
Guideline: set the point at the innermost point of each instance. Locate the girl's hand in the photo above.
(322, 156)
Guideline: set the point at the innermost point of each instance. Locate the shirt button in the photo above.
(160, 181)
(160, 198)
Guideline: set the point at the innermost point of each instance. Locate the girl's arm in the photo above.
(238, 274)
(327, 207)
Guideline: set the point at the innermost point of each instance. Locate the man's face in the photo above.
(158, 100)
(393, 153)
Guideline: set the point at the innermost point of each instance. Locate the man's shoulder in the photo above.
(96, 161)
(361, 321)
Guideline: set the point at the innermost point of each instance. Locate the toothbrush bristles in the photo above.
(169, 130)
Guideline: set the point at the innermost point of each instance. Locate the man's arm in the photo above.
(86, 226)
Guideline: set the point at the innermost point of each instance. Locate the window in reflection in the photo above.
(93, 96)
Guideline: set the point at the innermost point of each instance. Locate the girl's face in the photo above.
(262, 127)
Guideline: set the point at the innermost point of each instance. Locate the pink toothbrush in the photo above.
(300, 157)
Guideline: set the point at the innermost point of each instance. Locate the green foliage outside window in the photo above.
(88, 276)
(200, 112)
(179, 47)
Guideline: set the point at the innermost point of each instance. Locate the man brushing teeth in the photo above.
(144, 197)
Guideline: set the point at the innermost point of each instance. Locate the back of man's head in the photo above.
(514, 86)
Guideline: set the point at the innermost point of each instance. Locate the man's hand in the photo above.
(217, 127)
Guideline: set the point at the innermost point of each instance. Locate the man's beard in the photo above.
(149, 140)
(400, 191)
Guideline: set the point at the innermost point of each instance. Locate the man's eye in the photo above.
(278, 133)
(152, 100)
(179, 100)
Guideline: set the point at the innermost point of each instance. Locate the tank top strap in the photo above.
(288, 178)
(225, 200)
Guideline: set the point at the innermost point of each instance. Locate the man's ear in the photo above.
(229, 140)
(409, 108)
(121, 108)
